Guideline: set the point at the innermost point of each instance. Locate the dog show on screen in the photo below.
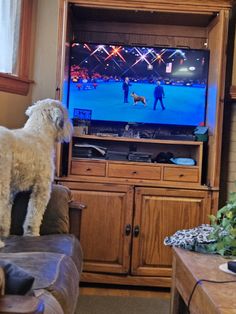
(139, 84)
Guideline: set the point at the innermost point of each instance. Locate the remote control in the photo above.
(232, 266)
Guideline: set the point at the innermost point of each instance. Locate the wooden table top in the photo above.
(206, 266)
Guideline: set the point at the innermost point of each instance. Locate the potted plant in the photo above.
(224, 229)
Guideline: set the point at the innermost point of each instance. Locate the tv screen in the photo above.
(138, 84)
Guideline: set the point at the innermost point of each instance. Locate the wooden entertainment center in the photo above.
(133, 206)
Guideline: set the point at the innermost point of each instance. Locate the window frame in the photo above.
(20, 83)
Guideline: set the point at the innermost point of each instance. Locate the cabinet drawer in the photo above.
(134, 171)
(182, 174)
(88, 168)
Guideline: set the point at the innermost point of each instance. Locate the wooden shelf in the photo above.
(138, 140)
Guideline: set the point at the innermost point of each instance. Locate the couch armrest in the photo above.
(17, 304)
(75, 210)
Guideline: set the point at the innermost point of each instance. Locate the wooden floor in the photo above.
(125, 291)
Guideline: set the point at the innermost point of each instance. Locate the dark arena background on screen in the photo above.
(98, 73)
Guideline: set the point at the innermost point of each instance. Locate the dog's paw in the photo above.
(2, 244)
(31, 232)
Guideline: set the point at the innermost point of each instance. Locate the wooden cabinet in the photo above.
(160, 213)
(105, 233)
(132, 206)
(123, 228)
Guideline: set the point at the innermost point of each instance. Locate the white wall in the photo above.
(12, 113)
(45, 56)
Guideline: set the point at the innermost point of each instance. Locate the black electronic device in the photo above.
(140, 157)
(116, 155)
(232, 266)
(83, 153)
(88, 151)
(163, 157)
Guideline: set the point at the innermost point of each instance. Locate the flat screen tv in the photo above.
(137, 84)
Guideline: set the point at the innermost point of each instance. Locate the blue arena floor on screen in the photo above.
(184, 105)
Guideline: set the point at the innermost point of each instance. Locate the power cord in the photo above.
(199, 282)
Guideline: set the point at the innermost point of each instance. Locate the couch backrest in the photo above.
(56, 216)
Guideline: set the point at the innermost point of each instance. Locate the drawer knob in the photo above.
(136, 231)
(134, 172)
(181, 175)
(88, 169)
(128, 229)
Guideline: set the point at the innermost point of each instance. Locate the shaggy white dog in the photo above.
(27, 162)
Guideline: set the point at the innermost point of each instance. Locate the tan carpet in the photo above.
(121, 305)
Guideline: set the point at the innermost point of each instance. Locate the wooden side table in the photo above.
(208, 298)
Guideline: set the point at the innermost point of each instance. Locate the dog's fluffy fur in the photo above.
(138, 98)
(27, 162)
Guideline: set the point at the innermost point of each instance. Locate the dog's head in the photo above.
(51, 113)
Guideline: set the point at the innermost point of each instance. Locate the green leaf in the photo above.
(221, 252)
(220, 245)
(229, 215)
(225, 222)
(213, 219)
(233, 232)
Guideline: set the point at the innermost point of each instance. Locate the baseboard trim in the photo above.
(164, 282)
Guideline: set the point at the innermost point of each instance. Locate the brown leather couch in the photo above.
(54, 259)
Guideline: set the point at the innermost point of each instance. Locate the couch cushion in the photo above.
(56, 216)
(17, 280)
(66, 244)
(53, 272)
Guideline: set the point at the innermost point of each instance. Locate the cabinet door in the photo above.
(160, 213)
(105, 233)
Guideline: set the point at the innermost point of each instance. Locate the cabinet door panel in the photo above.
(160, 213)
(105, 244)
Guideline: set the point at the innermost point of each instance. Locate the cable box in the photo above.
(116, 155)
(140, 156)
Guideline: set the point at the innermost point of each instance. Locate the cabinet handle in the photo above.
(134, 172)
(88, 169)
(136, 231)
(128, 229)
(181, 175)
